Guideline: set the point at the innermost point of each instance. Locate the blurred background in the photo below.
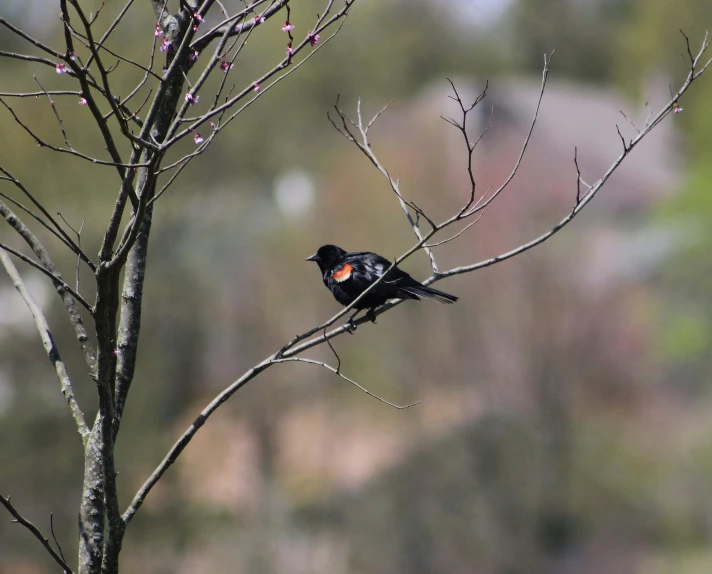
(565, 423)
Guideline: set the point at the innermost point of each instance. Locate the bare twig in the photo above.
(64, 237)
(338, 373)
(484, 203)
(69, 150)
(579, 180)
(54, 536)
(35, 532)
(58, 281)
(364, 145)
(56, 113)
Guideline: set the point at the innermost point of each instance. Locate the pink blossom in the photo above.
(158, 31)
(198, 20)
(115, 352)
(198, 139)
(225, 66)
(256, 87)
(194, 56)
(82, 101)
(212, 125)
(165, 70)
(72, 57)
(288, 27)
(192, 99)
(290, 50)
(313, 38)
(165, 44)
(676, 108)
(61, 68)
(259, 19)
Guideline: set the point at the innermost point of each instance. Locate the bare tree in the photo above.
(107, 329)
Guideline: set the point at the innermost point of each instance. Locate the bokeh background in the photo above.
(566, 415)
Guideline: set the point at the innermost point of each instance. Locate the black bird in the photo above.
(347, 275)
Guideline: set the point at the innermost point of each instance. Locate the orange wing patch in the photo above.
(342, 274)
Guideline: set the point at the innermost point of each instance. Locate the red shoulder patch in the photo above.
(342, 274)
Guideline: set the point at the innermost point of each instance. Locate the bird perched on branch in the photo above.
(347, 275)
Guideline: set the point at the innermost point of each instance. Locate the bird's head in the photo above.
(327, 255)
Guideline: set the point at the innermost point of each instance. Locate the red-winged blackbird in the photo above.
(347, 275)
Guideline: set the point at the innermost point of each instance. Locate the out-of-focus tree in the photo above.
(587, 32)
(686, 333)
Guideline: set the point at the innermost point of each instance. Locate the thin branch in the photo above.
(182, 162)
(45, 48)
(49, 345)
(59, 282)
(582, 201)
(111, 28)
(66, 239)
(28, 58)
(35, 532)
(38, 94)
(56, 113)
(68, 295)
(579, 180)
(449, 239)
(232, 30)
(79, 242)
(626, 147)
(70, 72)
(42, 143)
(54, 536)
(338, 373)
(36, 217)
(103, 73)
(631, 122)
(365, 146)
(481, 205)
(260, 81)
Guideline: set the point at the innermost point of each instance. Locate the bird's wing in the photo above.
(372, 265)
(369, 267)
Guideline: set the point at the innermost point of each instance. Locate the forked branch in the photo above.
(22, 521)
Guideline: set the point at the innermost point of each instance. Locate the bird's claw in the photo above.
(350, 326)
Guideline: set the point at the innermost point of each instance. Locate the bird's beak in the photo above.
(311, 258)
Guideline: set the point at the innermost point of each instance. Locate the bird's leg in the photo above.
(350, 322)
(370, 316)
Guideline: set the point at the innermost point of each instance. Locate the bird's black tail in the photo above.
(429, 293)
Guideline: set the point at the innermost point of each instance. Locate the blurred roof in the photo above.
(576, 116)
